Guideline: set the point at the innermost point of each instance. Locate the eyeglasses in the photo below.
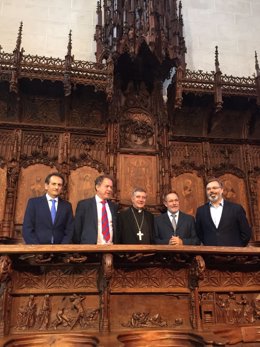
(213, 188)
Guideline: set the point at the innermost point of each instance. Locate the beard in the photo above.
(214, 198)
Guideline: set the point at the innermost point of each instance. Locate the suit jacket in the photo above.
(86, 221)
(38, 227)
(126, 233)
(185, 229)
(233, 228)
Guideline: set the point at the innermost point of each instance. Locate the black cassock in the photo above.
(135, 227)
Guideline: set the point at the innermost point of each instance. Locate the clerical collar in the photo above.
(137, 210)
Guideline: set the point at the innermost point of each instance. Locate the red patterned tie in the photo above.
(104, 220)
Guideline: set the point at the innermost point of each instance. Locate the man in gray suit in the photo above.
(175, 227)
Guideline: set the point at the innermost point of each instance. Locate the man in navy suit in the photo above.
(48, 219)
(175, 227)
(89, 215)
(220, 222)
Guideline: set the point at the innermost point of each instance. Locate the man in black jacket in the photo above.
(220, 222)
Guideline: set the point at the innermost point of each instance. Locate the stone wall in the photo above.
(233, 25)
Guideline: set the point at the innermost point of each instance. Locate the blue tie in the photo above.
(53, 210)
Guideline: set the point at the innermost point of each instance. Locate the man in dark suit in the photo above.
(135, 224)
(220, 222)
(175, 227)
(48, 219)
(95, 219)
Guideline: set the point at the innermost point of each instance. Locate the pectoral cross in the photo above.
(140, 234)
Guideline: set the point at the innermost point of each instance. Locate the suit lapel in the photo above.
(94, 212)
(208, 215)
(46, 209)
(224, 215)
(59, 210)
(180, 220)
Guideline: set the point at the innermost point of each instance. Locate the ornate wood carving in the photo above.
(137, 171)
(88, 289)
(190, 189)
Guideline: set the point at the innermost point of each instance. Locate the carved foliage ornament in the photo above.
(137, 130)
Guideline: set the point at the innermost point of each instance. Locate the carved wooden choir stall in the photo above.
(140, 115)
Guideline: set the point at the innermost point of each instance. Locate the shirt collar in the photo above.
(49, 198)
(220, 204)
(98, 199)
(175, 213)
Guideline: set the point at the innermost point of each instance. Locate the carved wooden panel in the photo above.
(132, 311)
(190, 189)
(87, 150)
(2, 191)
(31, 184)
(227, 157)
(258, 204)
(39, 146)
(137, 130)
(222, 122)
(137, 171)
(5, 144)
(81, 184)
(185, 157)
(54, 312)
(235, 190)
(190, 121)
(255, 156)
(41, 109)
(87, 112)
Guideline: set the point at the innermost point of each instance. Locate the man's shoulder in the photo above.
(233, 205)
(185, 215)
(161, 216)
(87, 201)
(37, 199)
(64, 202)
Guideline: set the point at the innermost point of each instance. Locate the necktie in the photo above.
(104, 221)
(53, 210)
(173, 222)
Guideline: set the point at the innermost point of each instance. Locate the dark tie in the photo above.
(173, 222)
(53, 210)
(104, 220)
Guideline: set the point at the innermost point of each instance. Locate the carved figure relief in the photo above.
(71, 312)
(236, 308)
(31, 184)
(137, 130)
(2, 192)
(145, 320)
(81, 184)
(190, 190)
(137, 171)
(234, 190)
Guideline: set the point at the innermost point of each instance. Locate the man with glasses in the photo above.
(220, 222)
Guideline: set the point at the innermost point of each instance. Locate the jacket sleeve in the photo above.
(79, 222)
(69, 225)
(28, 229)
(193, 238)
(244, 227)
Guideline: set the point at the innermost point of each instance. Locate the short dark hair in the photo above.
(57, 174)
(214, 179)
(171, 192)
(101, 178)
